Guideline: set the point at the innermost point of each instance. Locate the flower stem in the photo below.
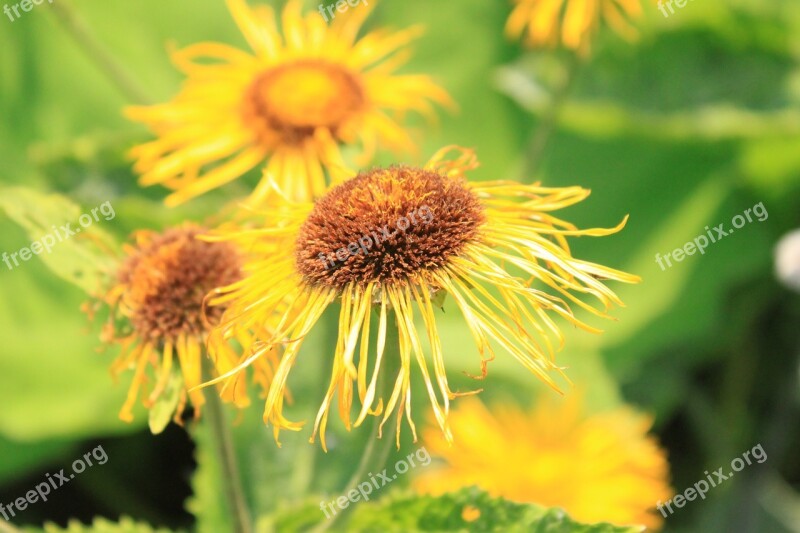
(305, 461)
(549, 119)
(231, 480)
(377, 450)
(113, 69)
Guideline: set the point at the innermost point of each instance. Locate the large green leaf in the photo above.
(17, 459)
(469, 509)
(661, 288)
(101, 525)
(208, 504)
(80, 252)
(53, 381)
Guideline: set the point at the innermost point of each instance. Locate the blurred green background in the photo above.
(687, 127)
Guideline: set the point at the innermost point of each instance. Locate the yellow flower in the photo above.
(599, 468)
(539, 20)
(397, 238)
(157, 315)
(291, 104)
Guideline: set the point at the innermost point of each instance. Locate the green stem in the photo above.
(377, 450)
(375, 454)
(549, 119)
(231, 480)
(79, 31)
(304, 462)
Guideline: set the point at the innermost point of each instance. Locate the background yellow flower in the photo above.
(305, 90)
(570, 22)
(600, 468)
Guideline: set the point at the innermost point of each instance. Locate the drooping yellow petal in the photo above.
(396, 239)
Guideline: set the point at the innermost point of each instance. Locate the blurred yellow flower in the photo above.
(570, 22)
(399, 237)
(599, 468)
(305, 91)
(157, 315)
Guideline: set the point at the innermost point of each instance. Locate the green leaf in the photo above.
(52, 375)
(660, 290)
(771, 164)
(81, 258)
(207, 504)
(18, 459)
(469, 509)
(101, 525)
(162, 410)
(302, 516)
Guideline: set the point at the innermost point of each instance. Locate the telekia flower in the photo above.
(570, 22)
(397, 239)
(302, 93)
(157, 315)
(599, 468)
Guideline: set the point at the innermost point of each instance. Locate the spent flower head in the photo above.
(158, 319)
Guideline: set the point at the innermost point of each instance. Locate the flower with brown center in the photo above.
(307, 91)
(157, 314)
(397, 239)
(378, 198)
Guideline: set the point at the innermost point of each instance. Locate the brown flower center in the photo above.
(294, 99)
(167, 278)
(386, 224)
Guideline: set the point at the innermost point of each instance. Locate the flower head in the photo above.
(570, 22)
(396, 239)
(301, 94)
(157, 313)
(599, 468)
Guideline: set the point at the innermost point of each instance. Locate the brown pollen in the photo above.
(294, 99)
(167, 278)
(386, 224)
